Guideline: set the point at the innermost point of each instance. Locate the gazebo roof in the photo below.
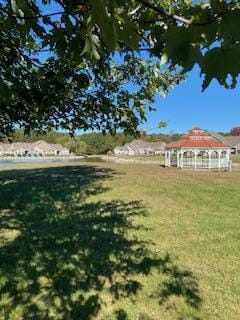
(197, 138)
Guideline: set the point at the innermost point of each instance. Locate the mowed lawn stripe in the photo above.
(111, 241)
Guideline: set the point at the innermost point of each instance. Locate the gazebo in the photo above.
(198, 149)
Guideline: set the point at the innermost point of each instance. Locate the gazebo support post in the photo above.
(229, 161)
(195, 159)
(219, 160)
(168, 158)
(209, 159)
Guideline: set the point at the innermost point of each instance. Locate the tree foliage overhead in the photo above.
(59, 67)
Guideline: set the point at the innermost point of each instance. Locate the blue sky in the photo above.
(216, 109)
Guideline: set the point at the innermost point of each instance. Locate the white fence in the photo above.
(201, 163)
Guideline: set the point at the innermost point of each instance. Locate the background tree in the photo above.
(235, 131)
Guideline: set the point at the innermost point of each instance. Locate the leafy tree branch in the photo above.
(69, 68)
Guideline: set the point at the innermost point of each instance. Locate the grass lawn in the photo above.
(146, 157)
(109, 241)
(235, 159)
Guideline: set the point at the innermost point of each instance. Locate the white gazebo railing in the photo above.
(203, 163)
(198, 158)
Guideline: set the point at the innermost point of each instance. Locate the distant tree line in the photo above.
(94, 143)
(91, 143)
(235, 131)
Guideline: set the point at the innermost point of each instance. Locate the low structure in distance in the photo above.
(36, 149)
(232, 141)
(198, 149)
(140, 147)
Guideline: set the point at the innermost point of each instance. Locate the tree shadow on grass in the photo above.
(180, 284)
(63, 252)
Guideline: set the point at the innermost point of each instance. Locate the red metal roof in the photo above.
(197, 138)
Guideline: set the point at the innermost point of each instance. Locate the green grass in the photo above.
(108, 241)
(235, 159)
(146, 157)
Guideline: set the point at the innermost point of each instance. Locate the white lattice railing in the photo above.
(201, 163)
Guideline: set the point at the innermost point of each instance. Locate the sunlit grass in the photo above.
(235, 159)
(110, 241)
(143, 157)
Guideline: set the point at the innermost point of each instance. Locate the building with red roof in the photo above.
(198, 149)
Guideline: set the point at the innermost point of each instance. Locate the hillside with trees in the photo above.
(96, 142)
(91, 143)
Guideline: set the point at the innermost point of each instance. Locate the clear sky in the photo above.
(215, 109)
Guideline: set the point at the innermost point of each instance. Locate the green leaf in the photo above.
(218, 6)
(219, 63)
(230, 25)
(106, 23)
(181, 47)
(164, 58)
(91, 46)
(127, 32)
(162, 124)
(14, 6)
